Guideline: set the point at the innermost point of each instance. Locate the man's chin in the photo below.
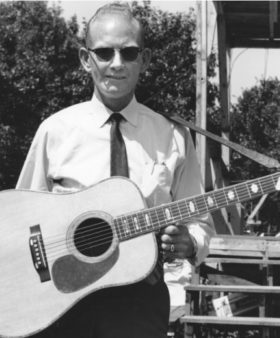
(116, 93)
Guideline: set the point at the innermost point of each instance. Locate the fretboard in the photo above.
(150, 220)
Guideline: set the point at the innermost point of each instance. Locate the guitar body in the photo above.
(32, 297)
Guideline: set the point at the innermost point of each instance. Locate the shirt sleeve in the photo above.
(187, 182)
(34, 174)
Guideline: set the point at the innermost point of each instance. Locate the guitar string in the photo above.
(97, 238)
(196, 200)
(106, 240)
(81, 234)
(188, 215)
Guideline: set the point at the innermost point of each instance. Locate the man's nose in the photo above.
(117, 60)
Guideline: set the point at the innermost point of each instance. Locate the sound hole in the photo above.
(93, 237)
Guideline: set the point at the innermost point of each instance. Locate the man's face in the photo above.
(115, 79)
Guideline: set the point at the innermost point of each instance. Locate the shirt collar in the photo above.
(102, 113)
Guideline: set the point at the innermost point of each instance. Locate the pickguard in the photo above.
(70, 274)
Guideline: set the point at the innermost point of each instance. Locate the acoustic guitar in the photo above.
(55, 249)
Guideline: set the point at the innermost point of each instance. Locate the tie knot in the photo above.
(116, 117)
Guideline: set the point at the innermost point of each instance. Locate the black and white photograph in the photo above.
(140, 169)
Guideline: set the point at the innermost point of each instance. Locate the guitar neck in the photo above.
(150, 220)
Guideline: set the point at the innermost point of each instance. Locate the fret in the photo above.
(131, 224)
(254, 188)
(192, 207)
(174, 212)
(236, 193)
(153, 218)
(210, 201)
(144, 221)
(248, 189)
(168, 214)
(148, 222)
(225, 202)
(161, 216)
(220, 198)
(126, 226)
(118, 227)
(231, 196)
(195, 205)
(186, 206)
(182, 205)
(201, 204)
(136, 223)
(141, 221)
(260, 184)
(272, 183)
(242, 192)
(277, 179)
(178, 214)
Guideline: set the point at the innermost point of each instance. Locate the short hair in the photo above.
(116, 7)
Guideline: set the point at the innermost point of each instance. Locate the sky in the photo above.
(248, 66)
(86, 8)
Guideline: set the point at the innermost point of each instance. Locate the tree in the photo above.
(40, 72)
(169, 85)
(255, 125)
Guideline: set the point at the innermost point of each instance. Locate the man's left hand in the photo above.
(176, 241)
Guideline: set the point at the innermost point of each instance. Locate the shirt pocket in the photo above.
(156, 183)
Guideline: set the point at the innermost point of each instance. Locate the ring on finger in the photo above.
(172, 248)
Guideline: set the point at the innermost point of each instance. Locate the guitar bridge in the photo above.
(38, 253)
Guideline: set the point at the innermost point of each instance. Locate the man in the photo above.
(71, 151)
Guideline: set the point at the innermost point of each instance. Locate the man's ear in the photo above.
(146, 58)
(85, 59)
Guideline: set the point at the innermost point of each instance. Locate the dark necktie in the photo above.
(119, 165)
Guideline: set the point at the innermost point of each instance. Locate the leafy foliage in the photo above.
(39, 74)
(169, 85)
(255, 125)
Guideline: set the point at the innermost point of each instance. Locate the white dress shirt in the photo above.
(71, 151)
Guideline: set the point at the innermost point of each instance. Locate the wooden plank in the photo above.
(243, 241)
(255, 20)
(253, 237)
(223, 279)
(245, 17)
(235, 288)
(240, 237)
(224, 77)
(242, 260)
(201, 84)
(255, 31)
(245, 246)
(251, 321)
(248, 43)
(241, 253)
(273, 248)
(244, 7)
(256, 209)
(273, 10)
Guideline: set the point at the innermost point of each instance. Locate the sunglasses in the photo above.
(107, 53)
